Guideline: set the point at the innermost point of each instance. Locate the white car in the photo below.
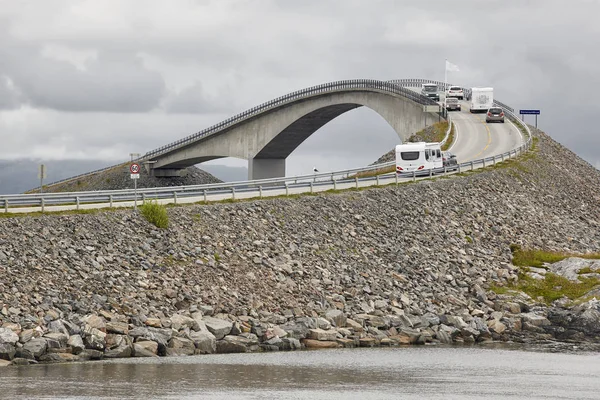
(455, 91)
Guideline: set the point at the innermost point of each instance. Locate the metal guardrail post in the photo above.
(43, 204)
(356, 181)
(472, 166)
(260, 191)
(77, 202)
(377, 180)
(396, 178)
(483, 162)
(287, 189)
(5, 205)
(143, 198)
(110, 200)
(174, 197)
(311, 187)
(334, 184)
(232, 193)
(205, 200)
(414, 176)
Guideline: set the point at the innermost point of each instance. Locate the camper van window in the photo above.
(427, 155)
(439, 153)
(409, 155)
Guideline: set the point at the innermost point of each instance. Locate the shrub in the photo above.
(155, 213)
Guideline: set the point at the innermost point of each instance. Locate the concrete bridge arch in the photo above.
(267, 139)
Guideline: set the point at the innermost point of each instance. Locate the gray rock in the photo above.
(7, 351)
(205, 342)
(336, 317)
(218, 327)
(36, 347)
(237, 344)
(75, 342)
(118, 346)
(8, 336)
(179, 346)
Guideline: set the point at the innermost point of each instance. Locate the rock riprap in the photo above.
(403, 265)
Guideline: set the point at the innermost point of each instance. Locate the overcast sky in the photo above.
(103, 78)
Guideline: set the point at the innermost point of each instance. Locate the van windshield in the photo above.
(409, 155)
(451, 100)
(430, 89)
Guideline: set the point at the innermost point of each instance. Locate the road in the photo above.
(477, 139)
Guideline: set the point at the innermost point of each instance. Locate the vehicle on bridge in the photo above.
(418, 157)
(495, 114)
(430, 90)
(456, 92)
(482, 99)
(452, 104)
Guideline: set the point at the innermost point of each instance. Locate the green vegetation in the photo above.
(155, 213)
(217, 257)
(450, 140)
(537, 258)
(553, 286)
(433, 133)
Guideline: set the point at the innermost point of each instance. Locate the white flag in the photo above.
(451, 67)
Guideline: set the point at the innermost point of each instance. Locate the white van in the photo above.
(418, 157)
(430, 90)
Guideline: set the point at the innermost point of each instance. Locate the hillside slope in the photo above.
(119, 177)
(390, 265)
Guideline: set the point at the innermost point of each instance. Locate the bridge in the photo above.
(267, 134)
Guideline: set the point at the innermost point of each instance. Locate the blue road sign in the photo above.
(530, 112)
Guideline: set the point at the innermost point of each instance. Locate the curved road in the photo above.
(476, 139)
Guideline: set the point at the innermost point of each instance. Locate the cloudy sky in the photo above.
(98, 79)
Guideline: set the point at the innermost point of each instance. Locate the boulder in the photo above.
(323, 335)
(8, 336)
(237, 344)
(7, 351)
(218, 327)
(118, 346)
(336, 317)
(205, 342)
(37, 347)
(179, 346)
(75, 342)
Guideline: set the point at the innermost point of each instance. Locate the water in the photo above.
(429, 372)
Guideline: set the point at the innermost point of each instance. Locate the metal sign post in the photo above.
(529, 112)
(134, 168)
(42, 175)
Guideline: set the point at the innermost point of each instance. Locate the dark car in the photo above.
(495, 114)
(449, 161)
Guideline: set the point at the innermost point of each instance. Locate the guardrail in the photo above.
(256, 188)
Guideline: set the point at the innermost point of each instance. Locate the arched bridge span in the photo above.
(266, 135)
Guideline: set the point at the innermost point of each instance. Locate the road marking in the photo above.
(489, 138)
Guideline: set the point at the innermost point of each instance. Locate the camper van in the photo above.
(419, 157)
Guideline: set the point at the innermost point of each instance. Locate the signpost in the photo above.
(529, 112)
(134, 168)
(42, 175)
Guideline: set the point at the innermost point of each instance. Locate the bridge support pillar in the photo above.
(264, 168)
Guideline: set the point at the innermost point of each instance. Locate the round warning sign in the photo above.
(134, 168)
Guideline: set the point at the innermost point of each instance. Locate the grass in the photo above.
(155, 213)
(439, 132)
(553, 286)
(537, 258)
(450, 140)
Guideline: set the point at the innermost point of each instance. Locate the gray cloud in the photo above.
(180, 66)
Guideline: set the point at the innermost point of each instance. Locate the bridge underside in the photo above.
(267, 140)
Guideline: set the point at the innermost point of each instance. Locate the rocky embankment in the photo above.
(387, 266)
(119, 177)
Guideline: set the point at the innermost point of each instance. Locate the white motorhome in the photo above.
(419, 157)
(481, 99)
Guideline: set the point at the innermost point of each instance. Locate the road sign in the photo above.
(135, 176)
(135, 169)
(529, 112)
